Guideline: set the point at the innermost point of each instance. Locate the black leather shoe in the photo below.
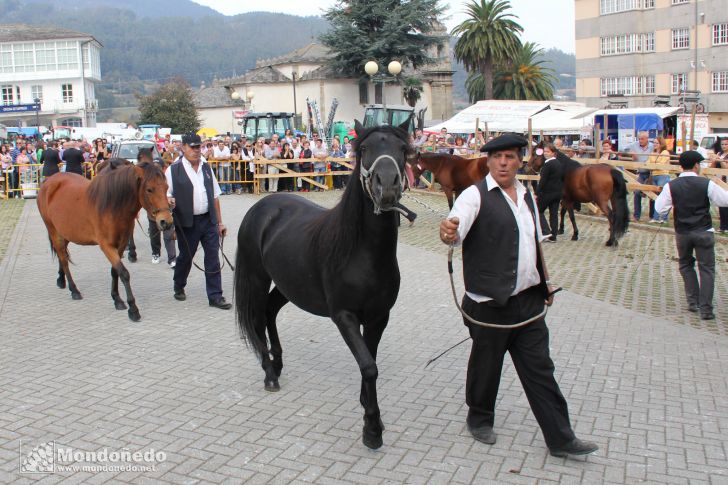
(693, 308)
(221, 304)
(574, 447)
(179, 294)
(483, 434)
(707, 316)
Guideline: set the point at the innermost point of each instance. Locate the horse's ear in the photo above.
(358, 128)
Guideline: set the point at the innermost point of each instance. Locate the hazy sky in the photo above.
(548, 23)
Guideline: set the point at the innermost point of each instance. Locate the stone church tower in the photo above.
(439, 76)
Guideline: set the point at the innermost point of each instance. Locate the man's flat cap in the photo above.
(191, 139)
(690, 158)
(504, 142)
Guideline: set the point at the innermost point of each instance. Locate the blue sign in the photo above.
(19, 108)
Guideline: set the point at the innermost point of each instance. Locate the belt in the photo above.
(206, 214)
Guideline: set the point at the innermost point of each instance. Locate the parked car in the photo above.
(129, 149)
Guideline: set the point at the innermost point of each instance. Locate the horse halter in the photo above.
(365, 177)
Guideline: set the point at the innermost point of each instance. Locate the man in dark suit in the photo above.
(506, 283)
(194, 196)
(691, 195)
(549, 191)
(73, 158)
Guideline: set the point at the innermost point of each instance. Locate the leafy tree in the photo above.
(412, 90)
(488, 37)
(381, 30)
(524, 78)
(171, 106)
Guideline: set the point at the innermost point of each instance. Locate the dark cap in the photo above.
(504, 142)
(690, 158)
(191, 139)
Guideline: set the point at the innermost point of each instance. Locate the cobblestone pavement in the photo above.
(652, 393)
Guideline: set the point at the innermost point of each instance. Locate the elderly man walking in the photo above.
(640, 151)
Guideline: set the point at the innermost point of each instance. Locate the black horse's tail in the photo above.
(249, 301)
(619, 204)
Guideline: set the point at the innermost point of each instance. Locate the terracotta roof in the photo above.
(24, 32)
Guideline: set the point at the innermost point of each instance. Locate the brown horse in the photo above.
(102, 212)
(601, 184)
(453, 173)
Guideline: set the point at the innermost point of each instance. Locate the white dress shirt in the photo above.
(716, 194)
(199, 194)
(466, 209)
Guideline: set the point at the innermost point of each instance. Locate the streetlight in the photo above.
(37, 114)
(250, 95)
(394, 68)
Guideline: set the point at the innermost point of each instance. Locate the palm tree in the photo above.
(412, 90)
(524, 77)
(487, 38)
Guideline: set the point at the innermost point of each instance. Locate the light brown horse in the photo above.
(102, 212)
(452, 172)
(601, 184)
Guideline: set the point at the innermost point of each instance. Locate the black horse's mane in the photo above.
(115, 189)
(336, 232)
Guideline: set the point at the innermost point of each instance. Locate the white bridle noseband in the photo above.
(365, 176)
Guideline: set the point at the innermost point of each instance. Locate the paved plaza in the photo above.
(645, 380)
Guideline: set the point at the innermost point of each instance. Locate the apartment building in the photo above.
(645, 49)
(47, 76)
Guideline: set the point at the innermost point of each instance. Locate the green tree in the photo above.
(381, 30)
(488, 37)
(523, 78)
(171, 106)
(412, 90)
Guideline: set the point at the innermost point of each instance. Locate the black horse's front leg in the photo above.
(348, 325)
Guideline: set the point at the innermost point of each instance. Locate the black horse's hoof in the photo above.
(575, 237)
(120, 305)
(371, 440)
(132, 259)
(610, 243)
(76, 296)
(560, 231)
(272, 386)
(61, 283)
(134, 315)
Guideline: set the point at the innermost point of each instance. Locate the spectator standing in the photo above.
(337, 152)
(235, 169)
(720, 160)
(549, 191)
(640, 151)
(51, 160)
(73, 158)
(607, 151)
(690, 196)
(660, 178)
(287, 154)
(248, 168)
(460, 148)
(585, 149)
(272, 152)
(319, 166)
(306, 165)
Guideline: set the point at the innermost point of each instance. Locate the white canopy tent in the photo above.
(549, 117)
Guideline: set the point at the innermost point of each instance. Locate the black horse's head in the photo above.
(537, 159)
(381, 153)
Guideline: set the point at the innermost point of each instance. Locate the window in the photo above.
(378, 93)
(363, 92)
(6, 58)
(627, 44)
(680, 39)
(7, 95)
(45, 56)
(679, 83)
(720, 34)
(678, 2)
(36, 92)
(67, 93)
(720, 82)
(614, 6)
(23, 57)
(628, 86)
(67, 55)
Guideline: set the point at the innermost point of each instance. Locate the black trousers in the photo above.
(552, 226)
(703, 244)
(529, 349)
(203, 232)
(155, 236)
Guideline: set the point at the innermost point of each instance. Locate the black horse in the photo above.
(339, 263)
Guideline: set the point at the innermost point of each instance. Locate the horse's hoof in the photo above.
(560, 231)
(278, 370)
(61, 283)
(132, 259)
(134, 315)
(120, 305)
(372, 441)
(609, 243)
(76, 296)
(575, 237)
(272, 386)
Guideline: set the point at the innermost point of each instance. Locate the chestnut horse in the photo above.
(453, 173)
(102, 212)
(601, 184)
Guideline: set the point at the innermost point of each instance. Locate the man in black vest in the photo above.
(549, 191)
(194, 196)
(506, 283)
(691, 196)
